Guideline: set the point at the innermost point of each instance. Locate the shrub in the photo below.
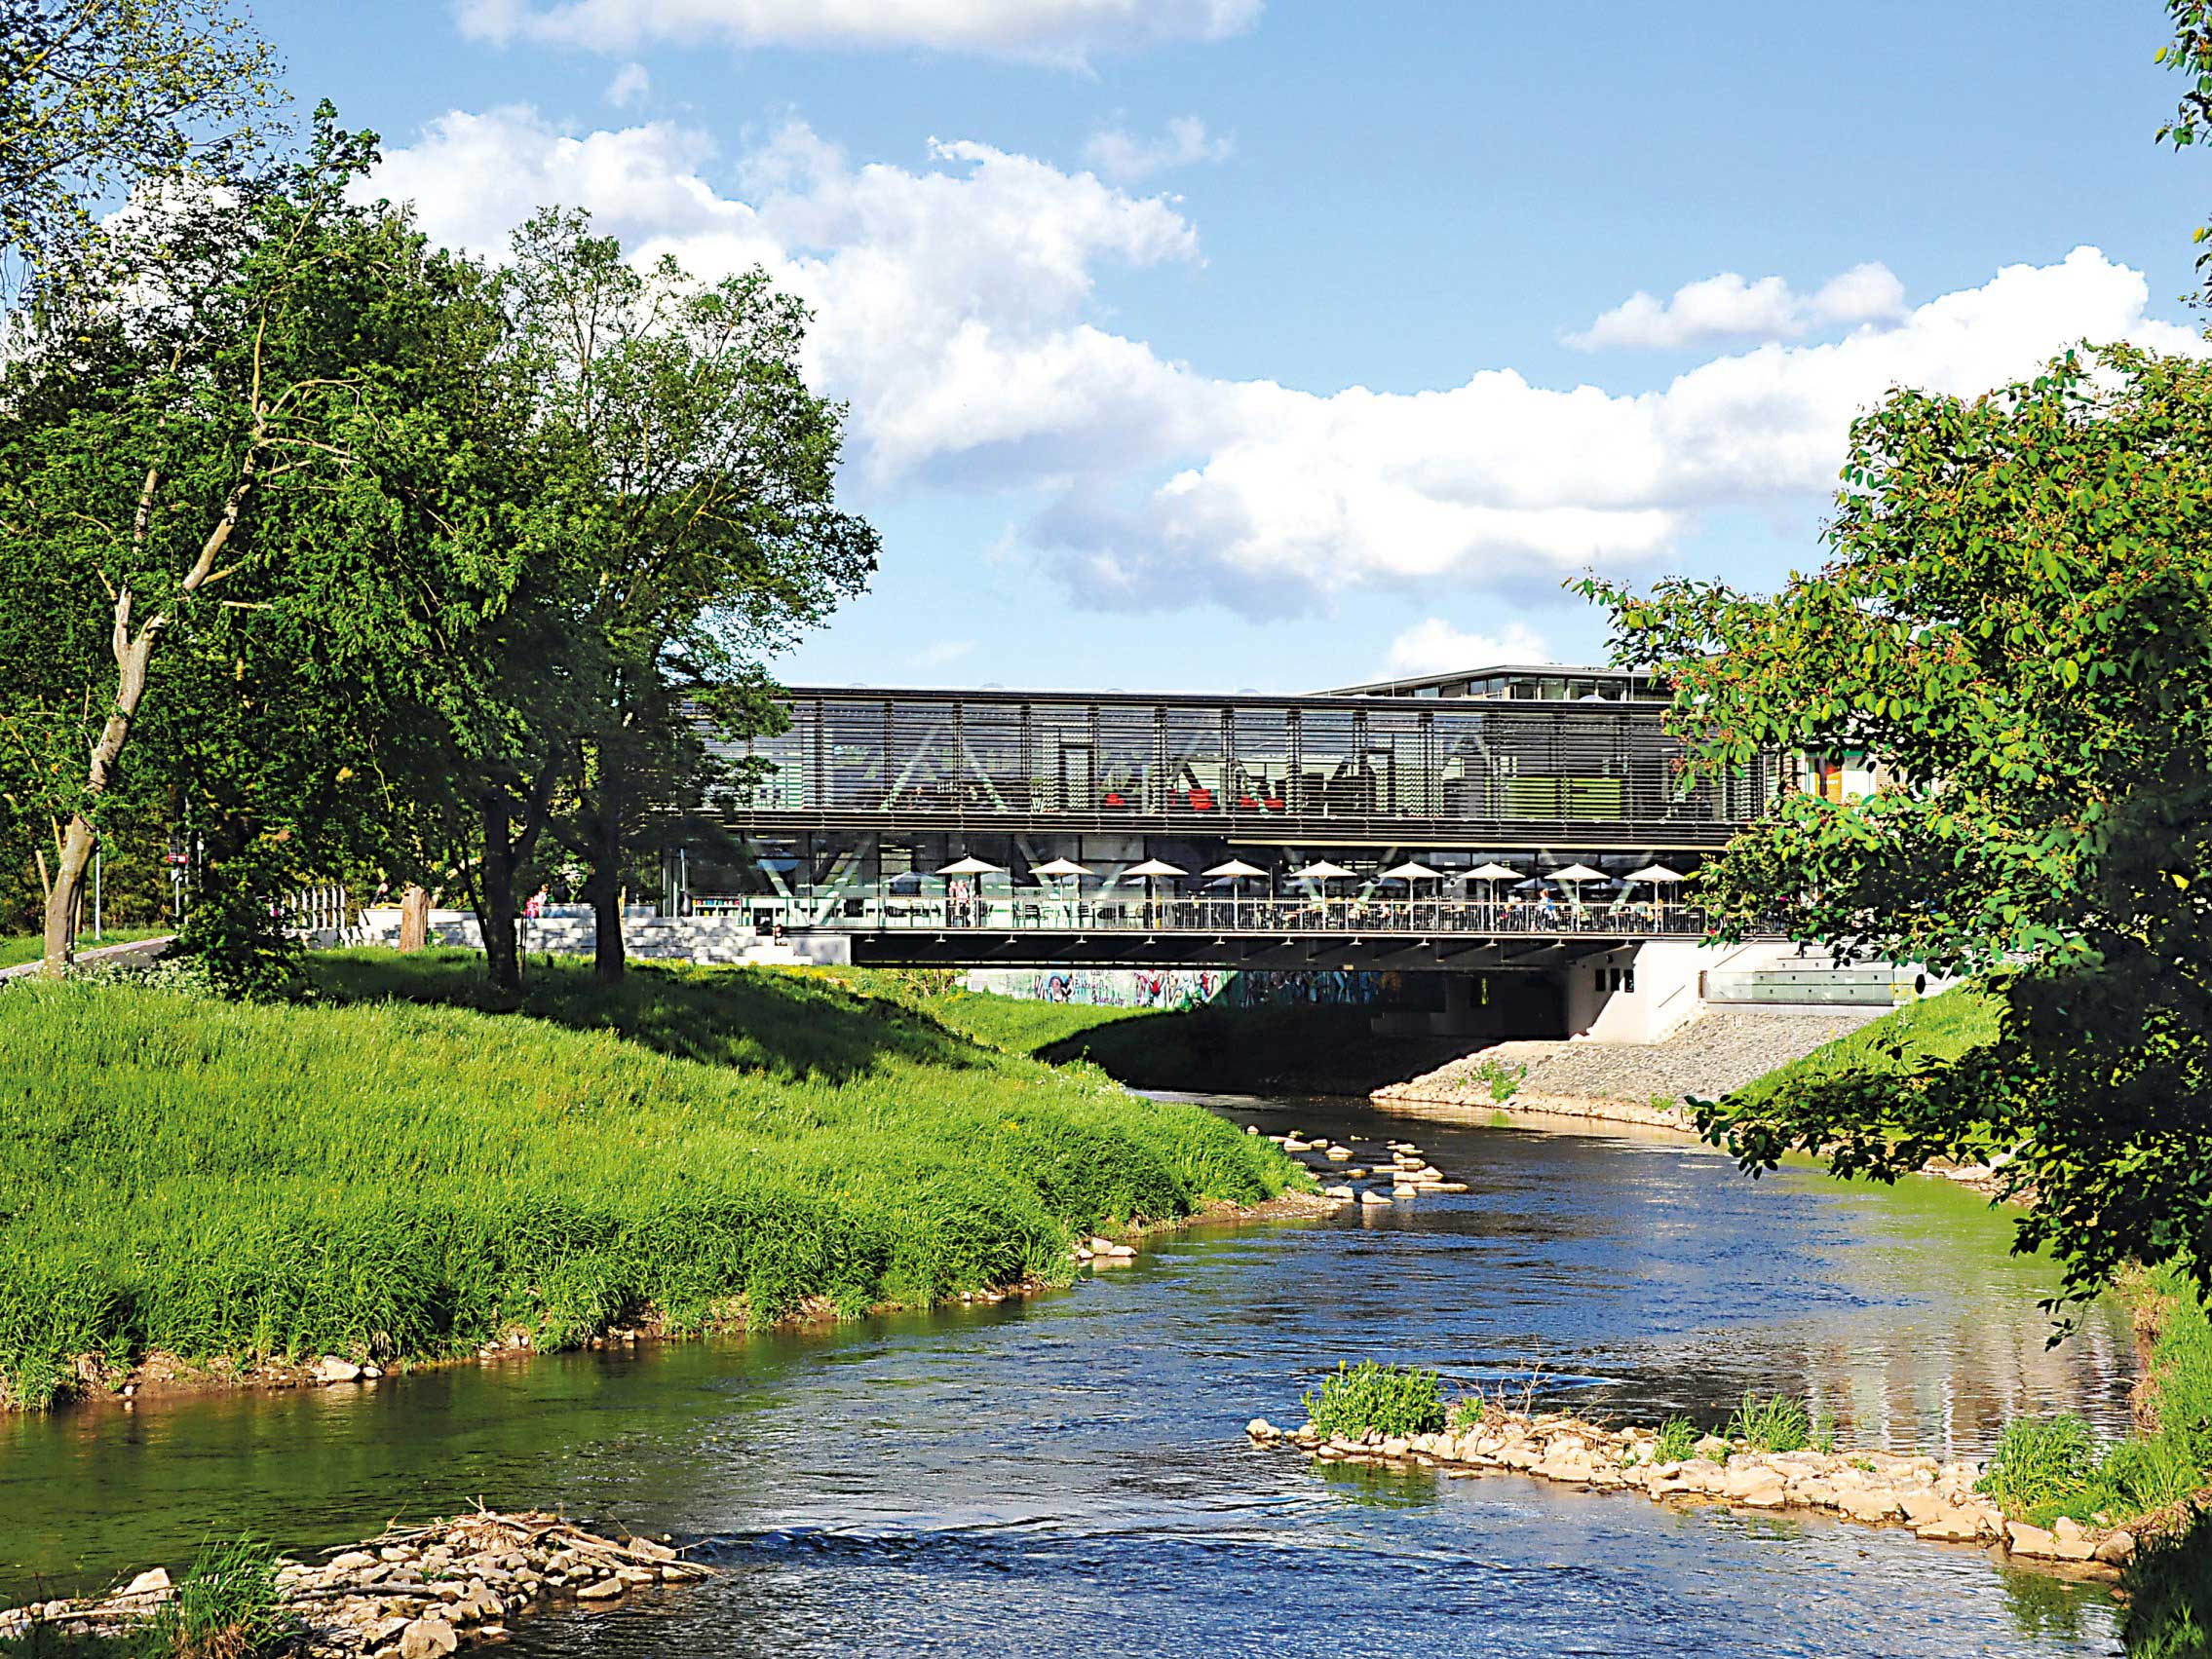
(1504, 1080)
(226, 1605)
(2168, 1589)
(1677, 1441)
(2040, 1461)
(1466, 1413)
(1391, 1399)
(1778, 1423)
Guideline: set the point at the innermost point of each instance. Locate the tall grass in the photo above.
(1780, 1423)
(1390, 1399)
(2046, 1467)
(393, 1172)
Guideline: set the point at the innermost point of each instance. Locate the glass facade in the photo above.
(870, 794)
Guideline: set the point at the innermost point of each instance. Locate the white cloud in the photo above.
(956, 311)
(630, 85)
(940, 653)
(1058, 32)
(1727, 308)
(1125, 158)
(1434, 646)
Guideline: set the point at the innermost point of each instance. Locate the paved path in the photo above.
(148, 947)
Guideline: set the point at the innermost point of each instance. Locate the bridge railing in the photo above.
(1212, 915)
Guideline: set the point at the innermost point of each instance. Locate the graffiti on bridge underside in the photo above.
(1185, 987)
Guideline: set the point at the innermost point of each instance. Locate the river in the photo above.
(1069, 1476)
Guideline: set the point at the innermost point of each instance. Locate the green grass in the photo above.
(1779, 1422)
(2039, 1462)
(1677, 1441)
(402, 1170)
(1937, 1028)
(2168, 1587)
(225, 1606)
(1390, 1399)
(2053, 1466)
(16, 948)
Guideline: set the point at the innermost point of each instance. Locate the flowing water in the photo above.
(1069, 1475)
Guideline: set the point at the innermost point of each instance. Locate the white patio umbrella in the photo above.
(1659, 875)
(1572, 878)
(1412, 870)
(1236, 872)
(1060, 869)
(1323, 872)
(1490, 875)
(1150, 868)
(970, 865)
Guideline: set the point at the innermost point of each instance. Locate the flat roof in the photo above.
(1354, 694)
(1491, 671)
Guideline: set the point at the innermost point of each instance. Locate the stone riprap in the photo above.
(1933, 1500)
(1400, 1165)
(413, 1594)
(1620, 1082)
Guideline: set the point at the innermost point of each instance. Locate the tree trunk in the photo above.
(609, 957)
(70, 863)
(75, 857)
(414, 918)
(496, 910)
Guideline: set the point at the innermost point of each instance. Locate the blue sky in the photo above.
(1220, 344)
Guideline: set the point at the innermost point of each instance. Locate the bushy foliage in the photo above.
(1390, 1399)
(2040, 1461)
(227, 1606)
(383, 1173)
(236, 934)
(1780, 1423)
(1677, 1441)
(1466, 1413)
(1504, 1080)
(2168, 1591)
(2016, 621)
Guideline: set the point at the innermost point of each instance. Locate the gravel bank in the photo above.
(1628, 1081)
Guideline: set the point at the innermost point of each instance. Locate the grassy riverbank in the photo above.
(1937, 1028)
(400, 1170)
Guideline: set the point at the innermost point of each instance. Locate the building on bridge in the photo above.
(1525, 820)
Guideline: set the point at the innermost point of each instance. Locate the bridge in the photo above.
(1537, 820)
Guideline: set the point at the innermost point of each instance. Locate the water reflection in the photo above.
(1067, 1476)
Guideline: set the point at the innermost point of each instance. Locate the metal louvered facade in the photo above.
(1339, 770)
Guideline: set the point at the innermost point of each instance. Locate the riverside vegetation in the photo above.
(413, 1167)
(413, 1593)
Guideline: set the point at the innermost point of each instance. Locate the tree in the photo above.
(98, 95)
(229, 494)
(686, 481)
(2018, 620)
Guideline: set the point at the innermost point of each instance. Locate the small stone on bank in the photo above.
(426, 1638)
